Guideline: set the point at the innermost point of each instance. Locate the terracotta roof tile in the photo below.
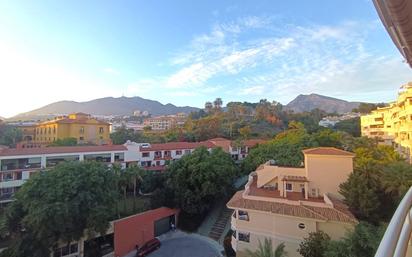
(327, 151)
(61, 149)
(302, 210)
(176, 146)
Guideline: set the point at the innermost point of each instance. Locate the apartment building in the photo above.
(81, 126)
(17, 165)
(161, 123)
(392, 125)
(286, 204)
(156, 156)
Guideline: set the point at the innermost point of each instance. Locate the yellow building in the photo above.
(392, 125)
(81, 126)
(287, 204)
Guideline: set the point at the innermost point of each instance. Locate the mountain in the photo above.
(329, 104)
(106, 106)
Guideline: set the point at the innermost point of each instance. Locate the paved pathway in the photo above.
(181, 244)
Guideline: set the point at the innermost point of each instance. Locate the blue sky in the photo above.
(188, 52)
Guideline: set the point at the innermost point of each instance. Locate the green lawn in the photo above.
(132, 205)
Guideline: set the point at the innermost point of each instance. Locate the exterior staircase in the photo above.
(219, 226)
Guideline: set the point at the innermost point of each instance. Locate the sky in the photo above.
(188, 52)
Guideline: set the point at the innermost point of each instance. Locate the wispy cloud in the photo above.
(111, 71)
(288, 60)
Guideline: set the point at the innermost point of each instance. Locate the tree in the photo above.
(365, 108)
(351, 126)
(314, 245)
(9, 135)
(363, 241)
(397, 179)
(245, 132)
(59, 205)
(199, 179)
(208, 107)
(68, 141)
(266, 250)
(364, 195)
(217, 104)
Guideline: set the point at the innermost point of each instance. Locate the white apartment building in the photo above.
(17, 165)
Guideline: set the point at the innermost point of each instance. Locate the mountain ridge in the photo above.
(126, 105)
(329, 104)
(107, 106)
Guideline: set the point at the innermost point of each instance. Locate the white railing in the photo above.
(396, 239)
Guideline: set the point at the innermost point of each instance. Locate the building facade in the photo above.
(161, 123)
(17, 165)
(81, 126)
(392, 125)
(286, 204)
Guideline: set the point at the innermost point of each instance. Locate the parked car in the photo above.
(148, 247)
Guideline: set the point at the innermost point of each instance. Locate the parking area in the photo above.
(180, 244)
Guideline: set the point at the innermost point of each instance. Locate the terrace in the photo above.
(275, 193)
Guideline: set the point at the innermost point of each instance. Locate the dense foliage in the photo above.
(69, 141)
(266, 250)
(59, 205)
(9, 135)
(367, 107)
(314, 245)
(363, 241)
(197, 180)
(371, 191)
(350, 126)
(286, 148)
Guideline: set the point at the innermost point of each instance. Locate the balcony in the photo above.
(396, 239)
(6, 197)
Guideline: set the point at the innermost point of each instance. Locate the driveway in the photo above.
(185, 247)
(181, 244)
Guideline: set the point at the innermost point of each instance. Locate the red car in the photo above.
(148, 247)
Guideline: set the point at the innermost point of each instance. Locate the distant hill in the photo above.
(329, 104)
(106, 106)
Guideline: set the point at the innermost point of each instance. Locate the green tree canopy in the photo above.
(60, 205)
(266, 250)
(362, 242)
(68, 141)
(200, 178)
(9, 135)
(314, 245)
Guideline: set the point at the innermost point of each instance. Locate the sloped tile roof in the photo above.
(61, 149)
(302, 210)
(327, 151)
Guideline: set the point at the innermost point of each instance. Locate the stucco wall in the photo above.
(137, 229)
(327, 172)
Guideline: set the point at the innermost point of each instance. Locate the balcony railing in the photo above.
(396, 239)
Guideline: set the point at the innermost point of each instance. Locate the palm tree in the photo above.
(266, 250)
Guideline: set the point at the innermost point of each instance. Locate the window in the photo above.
(187, 151)
(145, 154)
(289, 187)
(301, 226)
(7, 176)
(49, 130)
(243, 215)
(234, 233)
(81, 130)
(178, 152)
(54, 130)
(66, 250)
(244, 237)
(101, 130)
(18, 175)
(81, 138)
